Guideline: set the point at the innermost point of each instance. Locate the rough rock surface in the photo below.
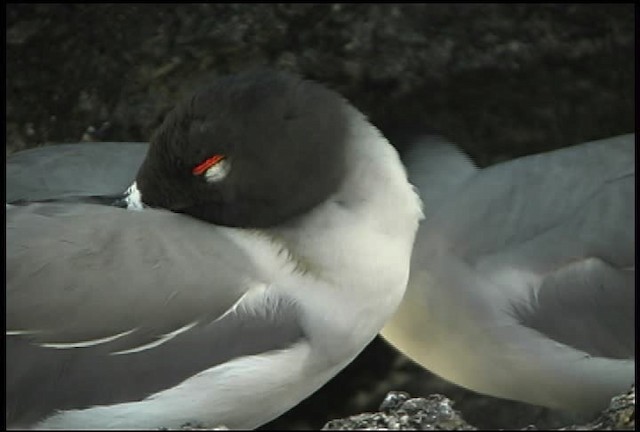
(508, 76)
(501, 80)
(401, 412)
(621, 415)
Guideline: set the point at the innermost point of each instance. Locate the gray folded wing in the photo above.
(509, 205)
(65, 171)
(106, 305)
(565, 221)
(436, 167)
(522, 275)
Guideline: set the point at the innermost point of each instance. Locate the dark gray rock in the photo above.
(399, 411)
(516, 78)
(621, 415)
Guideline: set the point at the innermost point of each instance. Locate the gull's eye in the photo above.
(214, 168)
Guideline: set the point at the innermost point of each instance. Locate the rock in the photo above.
(619, 416)
(515, 77)
(399, 411)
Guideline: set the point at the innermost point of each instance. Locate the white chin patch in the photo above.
(217, 172)
(133, 198)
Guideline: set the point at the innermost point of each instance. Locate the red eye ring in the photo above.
(204, 166)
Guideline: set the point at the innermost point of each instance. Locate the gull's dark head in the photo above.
(251, 150)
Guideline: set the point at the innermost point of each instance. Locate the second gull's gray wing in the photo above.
(522, 279)
(567, 226)
(432, 160)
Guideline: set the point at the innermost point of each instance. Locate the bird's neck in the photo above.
(360, 239)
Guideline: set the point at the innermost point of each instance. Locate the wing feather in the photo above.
(52, 172)
(106, 305)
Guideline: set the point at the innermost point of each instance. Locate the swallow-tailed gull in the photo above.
(522, 275)
(274, 244)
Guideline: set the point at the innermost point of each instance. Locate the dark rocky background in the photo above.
(499, 80)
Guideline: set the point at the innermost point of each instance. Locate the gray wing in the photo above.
(588, 305)
(65, 171)
(436, 167)
(555, 234)
(106, 305)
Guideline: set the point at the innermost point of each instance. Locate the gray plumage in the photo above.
(53, 172)
(74, 290)
(230, 310)
(522, 277)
